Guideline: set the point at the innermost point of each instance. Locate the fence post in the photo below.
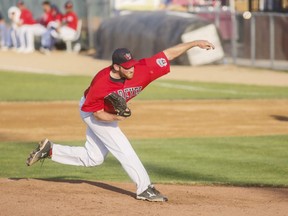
(234, 31)
(89, 23)
(272, 39)
(252, 39)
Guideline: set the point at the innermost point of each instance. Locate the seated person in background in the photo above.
(28, 29)
(47, 41)
(47, 16)
(68, 29)
(56, 14)
(62, 27)
(3, 33)
(2, 30)
(14, 16)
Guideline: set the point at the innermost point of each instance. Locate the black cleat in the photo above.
(152, 195)
(41, 152)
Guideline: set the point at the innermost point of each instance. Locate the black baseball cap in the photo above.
(124, 58)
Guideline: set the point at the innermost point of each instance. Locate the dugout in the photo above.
(146, 33)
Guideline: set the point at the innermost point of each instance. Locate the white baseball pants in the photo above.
(27, 33)
(101, 138)
(64, 33)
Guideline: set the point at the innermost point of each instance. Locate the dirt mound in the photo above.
(31, 121)
(51, 197)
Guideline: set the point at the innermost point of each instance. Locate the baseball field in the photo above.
(214, 139)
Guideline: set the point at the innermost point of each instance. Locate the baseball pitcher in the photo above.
(104, 104)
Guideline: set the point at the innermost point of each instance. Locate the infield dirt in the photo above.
(32, 121)
(24, 197)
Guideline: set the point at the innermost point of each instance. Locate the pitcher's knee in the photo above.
(94, 161)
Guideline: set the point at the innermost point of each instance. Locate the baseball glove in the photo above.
(118, 103)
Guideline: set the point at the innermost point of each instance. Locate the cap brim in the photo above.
(129, 64)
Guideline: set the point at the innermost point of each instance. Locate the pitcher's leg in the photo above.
(92, 154)
(117, 143)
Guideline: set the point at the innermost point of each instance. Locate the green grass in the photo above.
(42, 87)
(257, 161)
(168, 89)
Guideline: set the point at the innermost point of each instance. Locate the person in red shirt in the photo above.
(126, 77)
(26, 16)
(70, 18)
(56, 14)
(63, 27)
(28, 28)
(68, 29)
(47, 40)
(47, 16)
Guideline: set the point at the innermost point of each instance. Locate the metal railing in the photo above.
(254, 39)
(261, 41)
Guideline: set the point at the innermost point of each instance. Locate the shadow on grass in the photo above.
(172, 174)
(96, 184)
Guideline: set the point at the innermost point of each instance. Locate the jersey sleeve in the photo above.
(94, 99)
(158, 64)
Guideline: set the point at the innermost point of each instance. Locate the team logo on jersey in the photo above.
(127, 56)
(161, 62)
(129, 93)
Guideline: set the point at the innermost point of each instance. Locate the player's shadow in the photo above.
(96, 184)
(280, 118)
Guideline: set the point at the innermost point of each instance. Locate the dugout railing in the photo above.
(260, 41)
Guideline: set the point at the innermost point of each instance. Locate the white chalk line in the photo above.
(202, 89)
(32, 70)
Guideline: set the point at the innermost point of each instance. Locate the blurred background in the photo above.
(251, 32)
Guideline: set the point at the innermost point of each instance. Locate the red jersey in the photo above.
(27, 17)
(146, 71)
(70, 19)
(57, 17)
(46, 18)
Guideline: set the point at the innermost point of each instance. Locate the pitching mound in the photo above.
(52, 197)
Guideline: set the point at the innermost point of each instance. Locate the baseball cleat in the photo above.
(41, 152)
(152, 195)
